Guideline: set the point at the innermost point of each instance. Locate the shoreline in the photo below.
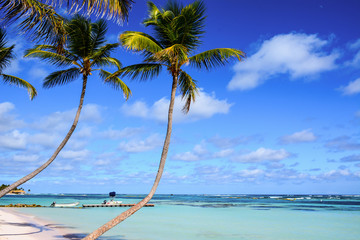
(15, 225)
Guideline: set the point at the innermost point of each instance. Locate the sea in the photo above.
(204, 217)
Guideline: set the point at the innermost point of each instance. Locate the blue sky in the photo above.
(285, 120)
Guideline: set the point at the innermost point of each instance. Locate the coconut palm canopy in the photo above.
(6, 55)
(177, 35)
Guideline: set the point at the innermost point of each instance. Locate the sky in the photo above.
(285, 120)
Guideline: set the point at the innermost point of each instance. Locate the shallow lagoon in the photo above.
(200, 217)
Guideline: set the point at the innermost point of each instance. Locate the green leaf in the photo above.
(20, 83)
(188, 89)
(143, 71)
(61, 77)
(139, 42)
(51, 57)
(216, 57)
(116, 83)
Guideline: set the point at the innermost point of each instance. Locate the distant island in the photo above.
(16, 191)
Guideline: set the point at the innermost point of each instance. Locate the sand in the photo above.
(17, 226)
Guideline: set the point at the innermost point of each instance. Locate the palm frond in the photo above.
(104, 51)
(188, 89)
(116, 83)
(79, 31)
(6, 53)
(177, 53)
(142, 71)
(38, 20)
(98, 32)
(216, 57)
(51, 57)
(20, 83)
(111, 9)
(139, 42)
(107, 61)
(54, 49)
(61, 77)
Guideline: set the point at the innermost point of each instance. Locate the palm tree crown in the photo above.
(85, 51)
(178, 30)
(6, 55)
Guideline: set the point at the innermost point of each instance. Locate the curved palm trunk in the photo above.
(112, 223)
(61, 146)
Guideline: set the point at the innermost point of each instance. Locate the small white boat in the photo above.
(74, 204)
(112, 202)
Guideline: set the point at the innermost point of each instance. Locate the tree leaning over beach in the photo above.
(6, 55)
(84, 53)
(177, 35)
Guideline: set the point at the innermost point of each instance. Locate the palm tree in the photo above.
(85, 52)
(177, 35)
(6, 55)
(40, 20)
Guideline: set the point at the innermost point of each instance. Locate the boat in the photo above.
(112, 201)
(74, 204)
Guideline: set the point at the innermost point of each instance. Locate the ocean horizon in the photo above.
(207, 216)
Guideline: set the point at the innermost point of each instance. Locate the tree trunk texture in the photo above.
(57, 151)
(112, 223)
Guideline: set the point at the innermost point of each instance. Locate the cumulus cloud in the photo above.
(200, 152)
(352, 88)
(352, 158)
(263, 155)
(205, 106)
(136, 146)
(13, 140)
(38, 73)
(8, 120)
(299, 55)
(298, 137)
(26, 158)
(118, 134)
(61, 121)
(355, 46)
(75, 155)
(343, 143)
(227, 142)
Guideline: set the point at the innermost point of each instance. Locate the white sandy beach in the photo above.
(17, 226)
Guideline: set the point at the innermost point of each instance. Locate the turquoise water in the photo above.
(220, 217)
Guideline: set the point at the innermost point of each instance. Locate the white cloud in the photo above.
(298, 55)
(251, 173)
(298, 137)
(38, 73)
(75, 155)
(355, 46)
(8, 120)
(186, 156)
(352, 88)
(200, 152)
(118, 134)
(14, 140)
(61, 121)
(26, 158)
(205, 106)
(262, 155)
(135, 146)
